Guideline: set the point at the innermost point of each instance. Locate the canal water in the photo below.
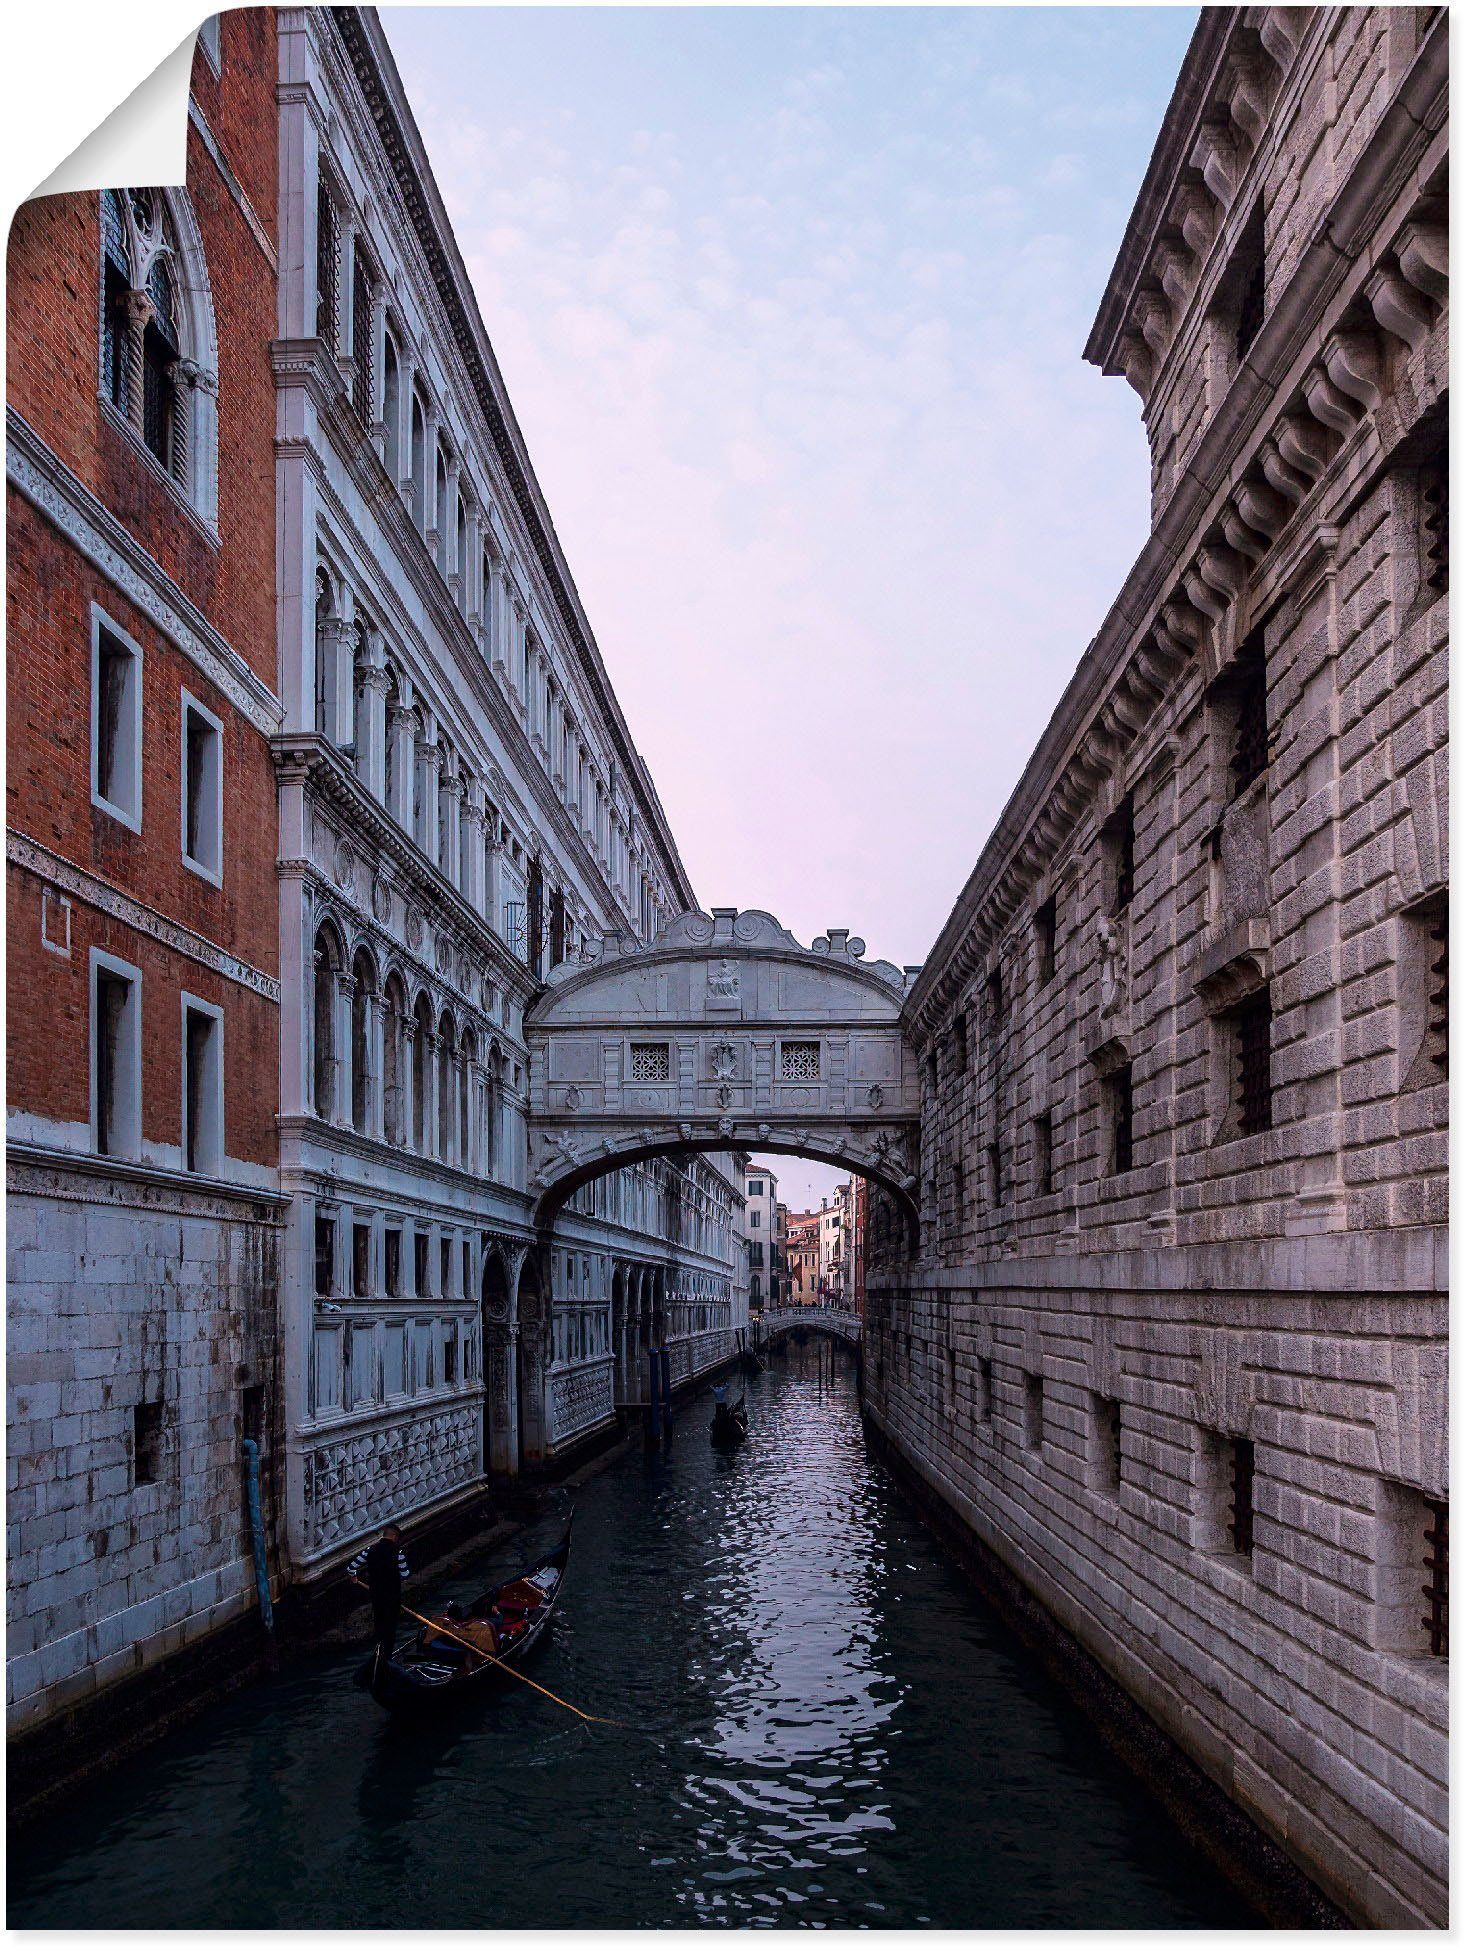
(828, 1727)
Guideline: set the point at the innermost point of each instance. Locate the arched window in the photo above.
(363, 376)
(327, 964)
(393, 1061)
(391, 409)
(447, 1090)
(363, 975)
(467, 1091)
(422, 513)
(422, 1074)
(327, 266)
(440, 511)
(158, 353)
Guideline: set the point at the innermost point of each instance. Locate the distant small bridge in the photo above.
(845, 1325)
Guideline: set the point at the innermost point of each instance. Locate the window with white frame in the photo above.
(203, 1086)
(116, 784)
(116, 1056)
(203, 790)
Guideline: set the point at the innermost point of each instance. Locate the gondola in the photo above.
(729, 1424)
(751, 1364)
(503, 1626)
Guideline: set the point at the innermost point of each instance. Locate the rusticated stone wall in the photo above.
(1174, 1341)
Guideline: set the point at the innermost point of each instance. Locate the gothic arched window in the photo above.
(158, 353)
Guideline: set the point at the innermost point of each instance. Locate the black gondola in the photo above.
(729, 1423)
(459, 1649)
(751, 1364)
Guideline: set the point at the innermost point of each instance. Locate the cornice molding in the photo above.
(29, 855)
(360, 35)
(36, 1169)
(44, 479)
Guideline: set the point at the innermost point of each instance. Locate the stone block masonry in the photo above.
(1173, 1343)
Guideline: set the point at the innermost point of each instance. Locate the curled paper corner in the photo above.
(143, 140)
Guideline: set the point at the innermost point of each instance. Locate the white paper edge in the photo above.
(144, 140)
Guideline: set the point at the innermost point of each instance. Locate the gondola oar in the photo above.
(442, 1629)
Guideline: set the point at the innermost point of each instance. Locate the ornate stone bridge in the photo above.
(722, 1033)
(812, 1318)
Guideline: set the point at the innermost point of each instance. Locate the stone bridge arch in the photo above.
(722, 1033)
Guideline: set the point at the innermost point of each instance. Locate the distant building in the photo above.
(803, 1257)
(760, 1226)
(858, 1228)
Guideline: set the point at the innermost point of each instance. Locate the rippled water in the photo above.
(829, 1728)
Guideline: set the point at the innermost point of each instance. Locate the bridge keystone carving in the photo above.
(724, 1032)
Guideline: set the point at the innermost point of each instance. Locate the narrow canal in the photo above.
(830, 1729)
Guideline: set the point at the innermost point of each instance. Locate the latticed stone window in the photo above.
(800, 1061)
(650, 1061)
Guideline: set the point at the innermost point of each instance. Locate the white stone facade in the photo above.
(461, 809)
(1174, 1346)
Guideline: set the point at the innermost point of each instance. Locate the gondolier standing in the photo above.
(382, 1569)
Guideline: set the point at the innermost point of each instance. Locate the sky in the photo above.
(791, 304)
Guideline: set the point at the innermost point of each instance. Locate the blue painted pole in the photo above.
(256, 1534)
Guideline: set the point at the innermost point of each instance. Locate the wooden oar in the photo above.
(430, 1622)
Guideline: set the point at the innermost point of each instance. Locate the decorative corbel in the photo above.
(1222, 569)
(1215, 158)
(1398, 307)
(1174, 268)
(1302, 445)
(1327, 404)
(1151, 315)
(1246, 95)
(1194, 213)
(1279, 30)
(1202, 596)
(1351, 359)
(1261, 508)
(1423, 257)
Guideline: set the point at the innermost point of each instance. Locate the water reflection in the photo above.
(829, 1728)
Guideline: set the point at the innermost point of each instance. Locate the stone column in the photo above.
(474, 822)
(334, 653)
(344, 1102)
(429, 514)
(493, 889)
(406, 393)
(371, 763)
(401, 728)
(452, 568)
(432, 1071)
(429, 762)
(452, 791)
(376, 1058)
(406, 1125)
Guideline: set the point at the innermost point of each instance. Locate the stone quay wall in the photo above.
(1173, 1341)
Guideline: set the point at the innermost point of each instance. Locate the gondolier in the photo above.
(382, 1569)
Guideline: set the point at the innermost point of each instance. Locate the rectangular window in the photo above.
(960, 1044)
(1032, 1428)
(421, 1264)
(324, 1256)
(203, 1087)
(449, 1358)
(1118, 845)
(393, 1256)
(444, 1266)
(360, 1260)
(754, 1218)
(467, 1263)
(1042, 1155)
(983, 1390)
(650, 1061)
(1107, 1443)
(116, 1060)
(203, 790)
(1435, 1618)
(1119, 1089)
(995, 1187)
(1423, 993)
(1250, 1026)
(116, 722)
(147, 1443)
(1044, 932)
(799, 1062)
(1250, 736)
(1412, 1587)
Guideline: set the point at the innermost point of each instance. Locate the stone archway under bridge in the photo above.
(724, 1032)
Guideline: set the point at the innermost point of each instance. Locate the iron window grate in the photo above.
(1250, 753)
(1253, 1064)
(1123, 856)
(1434, 494)
(1438, 993)
(1242, 1495)
(1121, 1095)
(1436, 1588)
